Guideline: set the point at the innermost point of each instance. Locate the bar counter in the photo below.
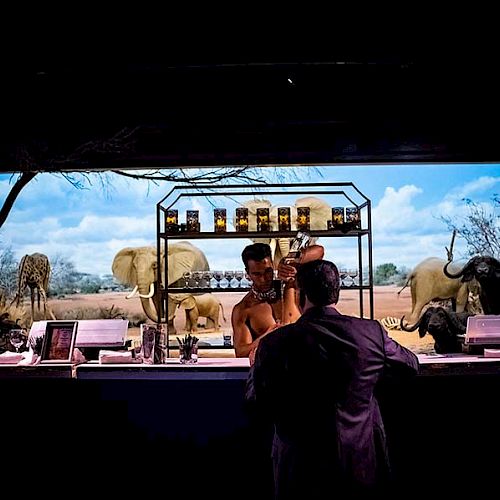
(142, 429)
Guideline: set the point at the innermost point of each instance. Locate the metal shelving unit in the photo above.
(234, 192)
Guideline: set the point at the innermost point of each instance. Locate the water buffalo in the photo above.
(444, 326)
(486, 270)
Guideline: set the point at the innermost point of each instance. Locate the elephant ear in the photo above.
(182, 258)
(321, 211)
(188, 303)
(122, 267)
(252, 206)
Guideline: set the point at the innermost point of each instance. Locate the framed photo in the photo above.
(59, 341)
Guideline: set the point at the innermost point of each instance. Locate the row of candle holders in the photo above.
(343, 218)
(239, 279)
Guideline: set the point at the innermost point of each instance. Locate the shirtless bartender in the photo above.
(260, 311)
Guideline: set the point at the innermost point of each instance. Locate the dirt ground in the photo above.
(386, 303)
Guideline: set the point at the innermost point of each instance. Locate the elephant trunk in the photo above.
(149, 294)
(409, 328)
(450, 275)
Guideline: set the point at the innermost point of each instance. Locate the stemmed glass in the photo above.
(245, 281)
(204, 281)
(234, 282)
(16, 338)
(224, 282)
(352, 274)
(343, 277)
(194, 279)
(239, 276)
(186, 277)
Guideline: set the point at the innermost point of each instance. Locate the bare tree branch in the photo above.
(18, 186)
(480, 228)
(120, 147)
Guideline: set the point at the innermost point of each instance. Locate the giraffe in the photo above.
(34, 271)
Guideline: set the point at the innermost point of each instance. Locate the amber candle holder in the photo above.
(263, 219)
(284, 219)
(172, 221)
(303, 218)
(241, 220)
(353, 217)
(192, 221)
(220, 220)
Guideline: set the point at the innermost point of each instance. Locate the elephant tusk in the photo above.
(150, 294)
(132, 293)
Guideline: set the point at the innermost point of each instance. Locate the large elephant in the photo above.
(205, 305)
(428, 282)
(320, 213)
(137, 267)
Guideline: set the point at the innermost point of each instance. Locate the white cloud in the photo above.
(395, 212)
(90, 227)
(479, 185)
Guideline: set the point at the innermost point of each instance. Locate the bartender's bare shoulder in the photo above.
(251, 308)
(247, 302)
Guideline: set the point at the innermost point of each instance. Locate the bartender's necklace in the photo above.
(268, 296)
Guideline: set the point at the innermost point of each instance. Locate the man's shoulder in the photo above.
(352, 321)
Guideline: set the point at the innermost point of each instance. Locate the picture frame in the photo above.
(59, 341)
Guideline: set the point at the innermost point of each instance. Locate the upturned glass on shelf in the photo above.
(263, 220)
(284, 219)
(303, 218)
(241, 220)
(219, 220)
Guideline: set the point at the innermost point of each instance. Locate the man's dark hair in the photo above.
(257, 251)
(320, 281)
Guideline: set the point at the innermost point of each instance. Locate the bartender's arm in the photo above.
(287, 272)
(242, 338)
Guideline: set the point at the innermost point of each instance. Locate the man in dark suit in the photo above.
(315, 380)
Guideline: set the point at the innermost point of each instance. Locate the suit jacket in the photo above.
(315, 379)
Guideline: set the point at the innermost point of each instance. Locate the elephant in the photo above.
(137, 267)
(206, 305)
(428, 282)
(320, 213)
(486, 270)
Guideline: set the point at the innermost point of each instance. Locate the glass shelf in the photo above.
(269, 234)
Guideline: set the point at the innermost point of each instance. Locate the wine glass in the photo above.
(239, 276)
(343, 275)
(16, 338)
(352, 274)
(204, 281)
(186, 277)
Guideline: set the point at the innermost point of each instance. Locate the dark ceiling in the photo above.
(260, 106)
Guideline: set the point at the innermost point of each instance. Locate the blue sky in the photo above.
(90, 226)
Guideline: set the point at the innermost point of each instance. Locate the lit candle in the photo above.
(303, 218)
(242, 220)
(284, 219)
(263, 219)
(220, 220)
(171, 221)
